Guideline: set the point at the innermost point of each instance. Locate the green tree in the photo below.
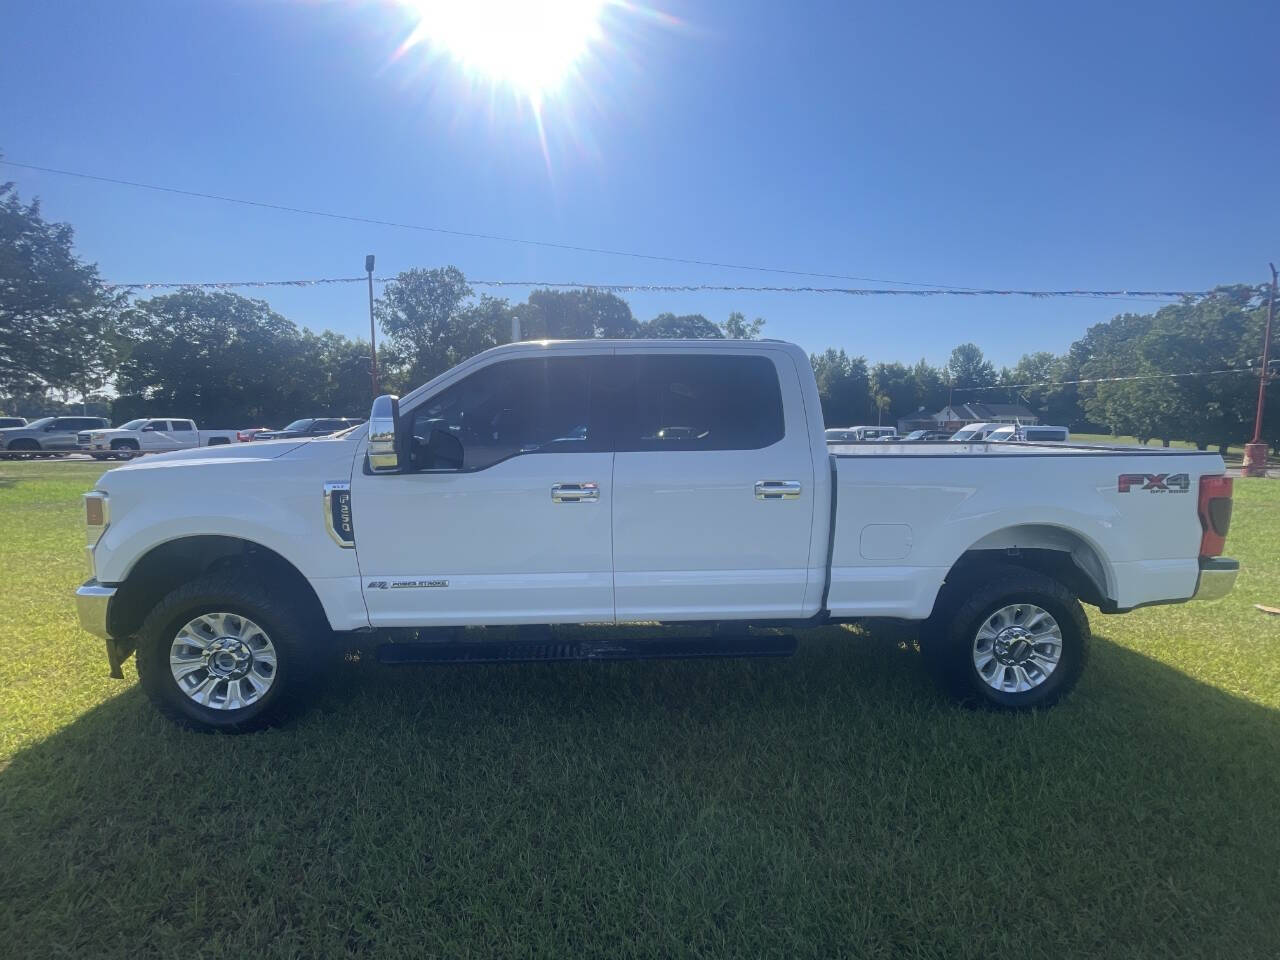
(690, 326)
(737, 327)
(576, 315)
(429, 322)
(58, 322)
(223, 359)
(969, 368)
(893, 389)
(931, 388)
(844, 387)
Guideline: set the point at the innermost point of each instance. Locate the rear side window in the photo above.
(533, 405)
(180, 425)
(1046, 436)
(690, 402)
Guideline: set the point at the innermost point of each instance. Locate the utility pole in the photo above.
(1255, 452)
(373, 348)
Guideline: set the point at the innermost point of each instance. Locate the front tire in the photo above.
(1017, 641)
(125, 449)
(221, 653)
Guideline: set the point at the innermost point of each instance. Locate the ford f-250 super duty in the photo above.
(609, 482)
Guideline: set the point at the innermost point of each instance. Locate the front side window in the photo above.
(534, 405)
(690, 402)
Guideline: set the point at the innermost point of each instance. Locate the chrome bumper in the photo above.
(92, 602)
(1217, 578)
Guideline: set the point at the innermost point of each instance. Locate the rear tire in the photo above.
(1016, 641)
(222, 653)
(24, 449)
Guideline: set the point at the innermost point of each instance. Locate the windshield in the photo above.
(915, 435)
(42, 422)
(134, 424)
(965, 434)
(301, 424)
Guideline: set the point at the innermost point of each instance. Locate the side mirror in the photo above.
(445, 450)
(384, 427)
(50, 428)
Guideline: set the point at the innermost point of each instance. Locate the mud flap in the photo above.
(118, 652)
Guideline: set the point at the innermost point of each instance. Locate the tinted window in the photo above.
(1046, 435)
(158, 424)
(182, 425)
(514, 407)
(696, 403)
(66, 423)
(321, 426)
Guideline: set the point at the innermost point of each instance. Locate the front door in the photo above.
(518, 531)
(712, 487)
(154, 437)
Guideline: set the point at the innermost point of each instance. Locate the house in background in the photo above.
(955, 416)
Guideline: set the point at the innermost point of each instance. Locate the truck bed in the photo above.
(905, 513)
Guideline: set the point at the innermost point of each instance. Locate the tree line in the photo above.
(70, 343)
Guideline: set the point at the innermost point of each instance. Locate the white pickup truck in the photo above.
(150, 435)
(602, 483)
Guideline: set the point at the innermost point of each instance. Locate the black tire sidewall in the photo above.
(221, 595)
(1030, 589)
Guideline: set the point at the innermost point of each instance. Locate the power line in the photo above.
(692, 288)
(472, 235)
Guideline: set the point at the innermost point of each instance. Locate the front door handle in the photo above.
(777, 489)
(588, 492)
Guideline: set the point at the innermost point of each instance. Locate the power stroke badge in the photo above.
(405, 584)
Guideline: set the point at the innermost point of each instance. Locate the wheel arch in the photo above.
(168, 565)
(1056, 551)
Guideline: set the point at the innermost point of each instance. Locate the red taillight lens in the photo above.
(242, 436)
(1215, 514)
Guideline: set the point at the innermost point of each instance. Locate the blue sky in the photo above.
(1083, 145)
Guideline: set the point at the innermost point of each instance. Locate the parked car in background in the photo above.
(840, 435)
(310, 427)
(48, 436)
(250, 433)
(1038, 434)
(150, 435)
(6, 422)
(874, 433)
(924, 436)
(479, 500)
(974, 432)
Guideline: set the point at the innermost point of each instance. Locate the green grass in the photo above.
(833, 804)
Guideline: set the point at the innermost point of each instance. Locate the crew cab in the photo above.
(541, 484)
(150, 435)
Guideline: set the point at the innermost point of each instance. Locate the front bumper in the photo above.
(93, 600)
(1217, 578)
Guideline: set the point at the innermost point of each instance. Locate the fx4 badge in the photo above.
(1155, 482)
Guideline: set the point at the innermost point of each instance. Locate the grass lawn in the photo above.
(832, 804)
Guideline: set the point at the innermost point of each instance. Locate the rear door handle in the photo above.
(588, 492)
(777, 489)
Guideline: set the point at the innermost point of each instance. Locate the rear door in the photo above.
(61, 434)
(713, 486)
(183, 434)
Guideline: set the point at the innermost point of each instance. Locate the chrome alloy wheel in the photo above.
(1017, 648)
(223, 661)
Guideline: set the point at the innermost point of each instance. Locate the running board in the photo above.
(522, 651)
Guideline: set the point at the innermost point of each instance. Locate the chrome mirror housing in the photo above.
(384, 421)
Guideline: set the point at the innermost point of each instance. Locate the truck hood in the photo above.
(224, 453)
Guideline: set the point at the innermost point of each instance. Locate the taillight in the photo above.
(243, 437)
(1215, 514)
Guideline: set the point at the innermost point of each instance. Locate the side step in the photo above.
(520, 651)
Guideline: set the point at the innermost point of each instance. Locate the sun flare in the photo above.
(530, 46)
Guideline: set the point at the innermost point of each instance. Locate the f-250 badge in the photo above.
(1155, 482)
